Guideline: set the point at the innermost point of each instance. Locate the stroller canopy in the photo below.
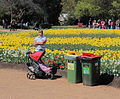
(37, 55)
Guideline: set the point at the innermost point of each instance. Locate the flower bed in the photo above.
(104, 42)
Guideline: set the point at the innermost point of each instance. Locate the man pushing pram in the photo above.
(37, 66)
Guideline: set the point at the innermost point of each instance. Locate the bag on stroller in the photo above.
(36, 68)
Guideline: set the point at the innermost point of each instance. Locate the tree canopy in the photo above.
(48, 11)
(31, 10)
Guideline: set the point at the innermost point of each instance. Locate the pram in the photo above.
(37, 68)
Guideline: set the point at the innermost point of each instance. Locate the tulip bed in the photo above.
(106, 42)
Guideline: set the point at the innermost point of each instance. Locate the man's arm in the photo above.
(40, 43)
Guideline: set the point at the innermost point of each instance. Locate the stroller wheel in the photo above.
(54, 70)
(31, 76)
(51, 76)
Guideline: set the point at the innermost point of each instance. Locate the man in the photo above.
(40, 41)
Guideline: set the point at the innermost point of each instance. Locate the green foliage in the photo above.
(111, 67)
(31, 10)
(80, 34)
(3, 11)
(71, 21)
(48, 11)
(54, 59)
(102, 9)
(115, 11)
(64, 27)
(68, 6)
(10, 32)
(79, 46)
(13, 56)
(46, 26)
(18, 9)
(86, 9)
(20, 56)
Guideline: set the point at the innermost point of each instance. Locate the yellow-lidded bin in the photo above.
(74, 69)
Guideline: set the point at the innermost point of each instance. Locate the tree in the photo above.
(86, 9)
(9, 6)
(68, 6)
(18, 9)
(97, 9)
(105, 6)
(51, 10)
(4, 10)
(115, 11)
(30, 10)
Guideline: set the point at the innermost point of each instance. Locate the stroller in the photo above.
(37, 68)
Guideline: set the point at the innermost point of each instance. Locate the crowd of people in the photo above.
(14, 25)
(101, 24)
(104, 24)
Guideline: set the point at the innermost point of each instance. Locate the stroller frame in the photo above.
(34, 70)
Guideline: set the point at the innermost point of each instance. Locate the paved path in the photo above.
(15, 85)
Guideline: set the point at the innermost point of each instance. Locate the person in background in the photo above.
(94, 24)
(13, 25)
(103, 24)
(99, 23)
(109, 22)
(118, 24)
(37, 25)
(112, 24)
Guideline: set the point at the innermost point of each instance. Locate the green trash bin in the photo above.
(90, 68)
(74, 69)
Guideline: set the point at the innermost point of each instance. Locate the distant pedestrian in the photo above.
(89, 23)
(37, 25)
(103, 24)
(112, 24)
(13, 25)
(94, 24)
(118, 24)
(5, 24)
(109, 23)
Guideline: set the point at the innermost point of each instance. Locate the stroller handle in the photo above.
(29, 52)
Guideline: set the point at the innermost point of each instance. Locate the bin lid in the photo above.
(71, 55)
(90, 56)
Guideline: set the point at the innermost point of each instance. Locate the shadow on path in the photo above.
(105, 79)
(46, 77)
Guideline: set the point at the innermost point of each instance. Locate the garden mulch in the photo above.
(15, 85)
